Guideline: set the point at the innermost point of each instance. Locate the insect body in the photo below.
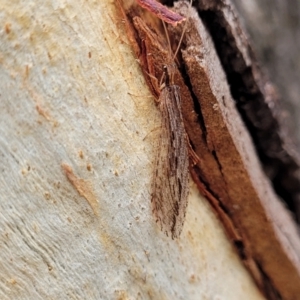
(170, 184)
(171, 177)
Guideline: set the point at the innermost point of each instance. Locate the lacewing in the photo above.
(170, 183)
(171, 177)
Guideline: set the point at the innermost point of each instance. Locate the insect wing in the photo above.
(170, 182)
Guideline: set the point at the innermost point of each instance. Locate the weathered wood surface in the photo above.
(77, 131)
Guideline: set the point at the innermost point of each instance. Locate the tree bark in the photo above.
(78, 125)
(275, 33)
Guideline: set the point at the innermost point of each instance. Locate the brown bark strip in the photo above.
(257, 100)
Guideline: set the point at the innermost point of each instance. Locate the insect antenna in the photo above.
(182, 34)
(170, 48)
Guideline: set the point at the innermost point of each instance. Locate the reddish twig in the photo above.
(161, 11)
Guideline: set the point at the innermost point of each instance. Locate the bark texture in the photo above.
(274, 27)
(77, 128)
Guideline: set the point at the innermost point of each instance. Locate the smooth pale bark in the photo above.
(77, 130)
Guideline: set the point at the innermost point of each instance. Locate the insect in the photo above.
(171, 178)
(170, 183)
